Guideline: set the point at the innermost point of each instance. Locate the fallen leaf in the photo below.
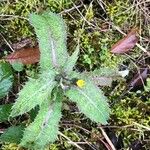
(24, 56)
(116, 140)
(125, 44)
(139, 79)
(137, 144)
(21, 44)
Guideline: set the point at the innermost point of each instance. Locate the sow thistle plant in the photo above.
(56, 80)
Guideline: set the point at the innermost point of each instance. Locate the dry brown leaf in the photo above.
(125, 44)
(27, 42)
(139, 78)
(24, 56)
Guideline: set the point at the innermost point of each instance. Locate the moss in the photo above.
(129, 109)
(15, 15)
(11, 146)
(120, 12)
(96, 38)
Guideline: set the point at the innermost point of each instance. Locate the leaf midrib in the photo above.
(84, 94)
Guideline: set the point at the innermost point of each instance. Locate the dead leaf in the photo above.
(21, 44)
(140, 78)
(24, 56)
(125, 44)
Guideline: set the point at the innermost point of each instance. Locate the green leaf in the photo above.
(106, 72)
(68, 67)
(13, 134)
(103, 76)
(6, 79)
(51, 32)
(90, 100)
(34, 92)
(17, 66)
(44, 129)
(5, 111)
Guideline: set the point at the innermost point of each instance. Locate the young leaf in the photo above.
(12, 134)
(17, 66)
(44, 129)
(102, 81)
(24, 56)
(51, 32)
(34, 92)
(71, 60)
(6, 79)
(106, 72)
(125, 44)
(103, 76)
(90, 100)
(5, 111)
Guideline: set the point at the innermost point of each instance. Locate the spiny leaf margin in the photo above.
(68, 67)
(51, 32)
(34, 92)
(44, 129)
(90, 100)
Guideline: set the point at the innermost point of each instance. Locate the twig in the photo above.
(77, 126)
(14, 16)
(106, 144)
(107, 139)
(71, 9)
(101, 3)
(142, 48)
(7, 42)
(89, 23)
(137, 124)
(117, 127)
(70, 141)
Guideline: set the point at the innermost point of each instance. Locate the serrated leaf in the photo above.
(44, 129)
(12, 134)
(6, 79)
(102, 81)
(103, 76)
(51, 32)
(90, 100)
(34, 92)
(5, 111)
(106, 72)
(68, 67)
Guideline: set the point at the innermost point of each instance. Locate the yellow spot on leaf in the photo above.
(80, 83)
